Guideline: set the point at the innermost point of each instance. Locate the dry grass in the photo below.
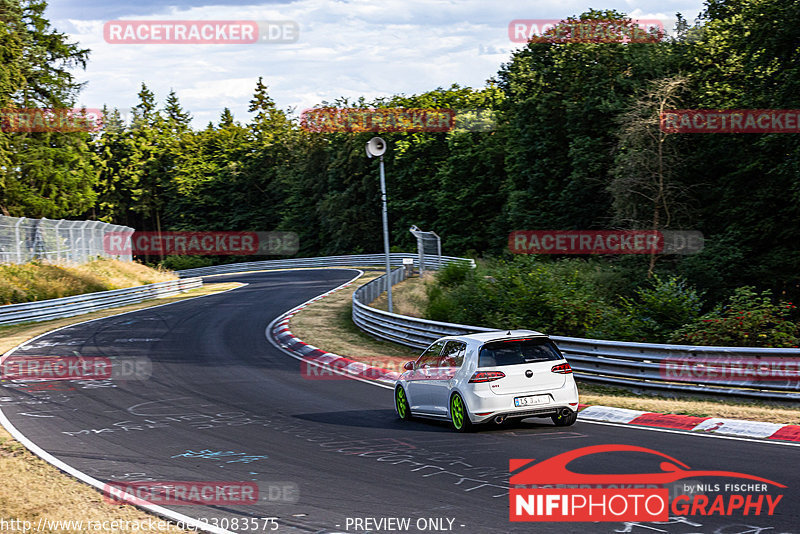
(408, 298)
(40, 281)
(33, 489)
(326, 324)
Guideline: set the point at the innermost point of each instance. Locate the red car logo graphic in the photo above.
(554, 470)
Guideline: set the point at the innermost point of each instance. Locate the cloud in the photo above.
(345, 49)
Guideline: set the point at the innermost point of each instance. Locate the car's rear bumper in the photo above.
(486, 407)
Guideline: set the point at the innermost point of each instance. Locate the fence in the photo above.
(428, 244)
(23, 239)
(616, 363)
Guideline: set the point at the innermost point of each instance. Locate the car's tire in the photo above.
(561, 420)
(401, 404)
(459, 416)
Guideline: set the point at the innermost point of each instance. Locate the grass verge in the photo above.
(41, 281)
(327, 324)
(32, 489)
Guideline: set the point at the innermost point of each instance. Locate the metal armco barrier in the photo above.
(69, 306)
(616, 363)
(327, 261)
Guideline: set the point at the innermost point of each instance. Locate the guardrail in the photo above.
(617, 363)
(396, 259)
(43, 310)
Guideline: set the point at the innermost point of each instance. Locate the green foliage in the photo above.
(747, 319)
(658, 310)
(564, 298)
(177, 263)
(440, 305)
(556, 297)
(42, 174)
(454, 274)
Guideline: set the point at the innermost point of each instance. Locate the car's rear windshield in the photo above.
(518, 351)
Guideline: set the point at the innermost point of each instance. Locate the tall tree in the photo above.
(644, 188)
(178, 120)
(561, 103)
(747, 57)
(42, 174)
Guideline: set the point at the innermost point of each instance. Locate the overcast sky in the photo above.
(346, 48)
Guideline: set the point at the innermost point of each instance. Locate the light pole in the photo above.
(376, 147)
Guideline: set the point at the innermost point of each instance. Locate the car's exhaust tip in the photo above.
(566, 412)
(499, 419)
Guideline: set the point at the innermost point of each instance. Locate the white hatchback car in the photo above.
(491, 376)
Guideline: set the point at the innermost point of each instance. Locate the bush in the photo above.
(454, 273)
(746, 320)
(177, 263)
(439, 307)
(554, 297)
(572, 297)
(656, 312)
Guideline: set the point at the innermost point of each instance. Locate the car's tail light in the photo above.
(486, 376)
(562, 368)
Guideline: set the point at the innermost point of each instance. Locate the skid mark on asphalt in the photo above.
(467, 477)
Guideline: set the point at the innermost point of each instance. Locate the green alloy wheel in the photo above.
(458, 414)
(401, 403)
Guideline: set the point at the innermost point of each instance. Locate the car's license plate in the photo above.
(531, 400)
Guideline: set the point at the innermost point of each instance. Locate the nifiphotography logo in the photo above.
(549, 491)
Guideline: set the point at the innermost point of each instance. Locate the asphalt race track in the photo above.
(223, 404)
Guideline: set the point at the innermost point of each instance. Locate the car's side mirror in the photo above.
(409, 366)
